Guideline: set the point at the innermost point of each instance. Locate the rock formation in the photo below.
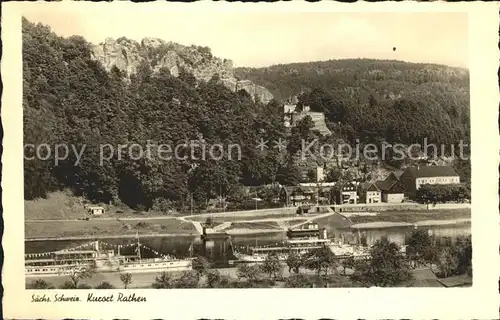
(127, 54)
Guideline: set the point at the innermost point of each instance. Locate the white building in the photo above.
(414, 177)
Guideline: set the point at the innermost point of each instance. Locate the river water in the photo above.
(221, 250)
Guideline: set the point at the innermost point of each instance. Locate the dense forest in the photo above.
(70, 98)
(376, 99)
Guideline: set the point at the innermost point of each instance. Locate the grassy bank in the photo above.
(63, 205)
(414, 216)
(254, 225)
(231, 218)
(99, 228)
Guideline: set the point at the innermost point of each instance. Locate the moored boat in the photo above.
(91, 256)
(300, 241)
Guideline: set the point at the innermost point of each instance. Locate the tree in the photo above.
(163, 281)
(464, 253)
(321, 259)
(126, 279)
(200, 265)
(348, 263)
(216, 280)
(447, 262)
(294, 262)
(299, 281)
(76, 275)
(429, 193)
(420, 247)
(188, 279)
(272, 266)
(386, 267)
(250, 273)
(39, 284)
(333, 175)
(105, 285)
(363, 241)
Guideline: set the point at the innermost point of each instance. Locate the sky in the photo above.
(257, 39)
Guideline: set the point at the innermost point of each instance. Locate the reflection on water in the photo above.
(221, 251)
(400, 235)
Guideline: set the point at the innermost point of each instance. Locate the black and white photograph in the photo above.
(165, 162)
(244, 150)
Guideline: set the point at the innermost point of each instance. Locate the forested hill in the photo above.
(70, 98)
(74, 95)
(388, 78)
(377, 99)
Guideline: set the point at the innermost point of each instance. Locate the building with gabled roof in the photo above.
(391, 191)
(369, 193)
(414, 177)
(345, 192)
(296, 195)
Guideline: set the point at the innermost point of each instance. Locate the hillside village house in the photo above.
(296, 195)
(96, 211)
(369, 193)
(413, 177)
(345, 193)
(391, 191)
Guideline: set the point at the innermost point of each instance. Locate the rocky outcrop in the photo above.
(128, 54)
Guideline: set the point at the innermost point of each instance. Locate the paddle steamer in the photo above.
(93, 256)
(302, 240)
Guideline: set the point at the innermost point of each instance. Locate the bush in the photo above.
(39, 284)
(105, 285)
(439, 193)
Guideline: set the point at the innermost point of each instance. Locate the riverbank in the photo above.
(255, 222)
(426, 223)
(97, 228)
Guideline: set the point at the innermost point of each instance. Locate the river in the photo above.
(221, 251)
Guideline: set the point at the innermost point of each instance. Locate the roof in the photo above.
(366, 186)
(397, 173)
(288, 189)
(342, 184)
(430, 171)
(306, 189)
(384, 185)
(325, 189)
(95, 208)
(390, 185)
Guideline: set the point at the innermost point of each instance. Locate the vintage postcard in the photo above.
(250, 161)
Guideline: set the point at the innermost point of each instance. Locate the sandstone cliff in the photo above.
(127, 54)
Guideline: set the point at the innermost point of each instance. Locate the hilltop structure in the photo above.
(293, 112)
